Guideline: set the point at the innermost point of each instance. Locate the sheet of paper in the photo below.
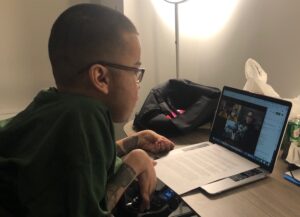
(191, 167)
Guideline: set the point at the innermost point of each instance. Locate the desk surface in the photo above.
(270, 197)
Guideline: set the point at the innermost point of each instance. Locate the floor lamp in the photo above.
(176, 3)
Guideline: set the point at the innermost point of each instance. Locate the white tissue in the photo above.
(254, 70)
(257, 79)
(293, 156)
(257, 83)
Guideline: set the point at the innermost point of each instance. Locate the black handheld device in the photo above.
(163, 202)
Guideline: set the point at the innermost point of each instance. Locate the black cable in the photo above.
(292, 167)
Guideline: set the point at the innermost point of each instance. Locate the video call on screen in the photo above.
(238, 123)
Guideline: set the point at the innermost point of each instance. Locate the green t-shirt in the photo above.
(57, 156)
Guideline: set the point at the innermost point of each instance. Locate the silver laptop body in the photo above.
(252, 126)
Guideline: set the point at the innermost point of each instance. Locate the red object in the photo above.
(175, 114)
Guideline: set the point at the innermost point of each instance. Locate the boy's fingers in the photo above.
(146, 202)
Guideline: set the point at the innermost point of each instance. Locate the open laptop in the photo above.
(252, 126)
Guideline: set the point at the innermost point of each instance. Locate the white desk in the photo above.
(271, 197)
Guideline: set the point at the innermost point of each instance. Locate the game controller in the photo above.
(163, 202)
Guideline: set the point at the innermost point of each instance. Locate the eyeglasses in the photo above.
(139, 72)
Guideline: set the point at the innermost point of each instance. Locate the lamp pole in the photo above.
(176, 33)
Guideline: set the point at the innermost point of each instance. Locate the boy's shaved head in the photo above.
(85, 34)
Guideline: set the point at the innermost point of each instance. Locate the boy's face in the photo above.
(123, 89)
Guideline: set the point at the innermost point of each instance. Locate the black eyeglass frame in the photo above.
(139, 71)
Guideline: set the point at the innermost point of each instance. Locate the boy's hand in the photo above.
(147, 140)
(147, 182)
(143, 166)
(150, 141)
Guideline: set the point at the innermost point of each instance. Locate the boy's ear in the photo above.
(98, 75)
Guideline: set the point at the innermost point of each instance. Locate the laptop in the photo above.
(252, 126)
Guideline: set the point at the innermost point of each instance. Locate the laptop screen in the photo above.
(251, 125)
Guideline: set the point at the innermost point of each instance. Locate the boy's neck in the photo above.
(77, 90)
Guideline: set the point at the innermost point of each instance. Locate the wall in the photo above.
(24, 64)
(266, 31)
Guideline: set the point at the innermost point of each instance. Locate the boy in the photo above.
(58, 156)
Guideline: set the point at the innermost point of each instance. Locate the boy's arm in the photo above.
(119, 183)
(147, 140)
(124, 146)
(136, 165)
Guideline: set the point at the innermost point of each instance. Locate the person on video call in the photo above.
(59, 157)
(247, 133)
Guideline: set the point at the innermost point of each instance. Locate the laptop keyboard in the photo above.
(245, 175)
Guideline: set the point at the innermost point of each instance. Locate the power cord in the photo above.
(291, 168)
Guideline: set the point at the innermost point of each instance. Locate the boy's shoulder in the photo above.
(51, 105)
(69, 101)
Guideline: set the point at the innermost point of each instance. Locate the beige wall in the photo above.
(22, 58)
(24, 63)
(265, 30)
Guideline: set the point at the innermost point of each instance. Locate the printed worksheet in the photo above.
(191, 167)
